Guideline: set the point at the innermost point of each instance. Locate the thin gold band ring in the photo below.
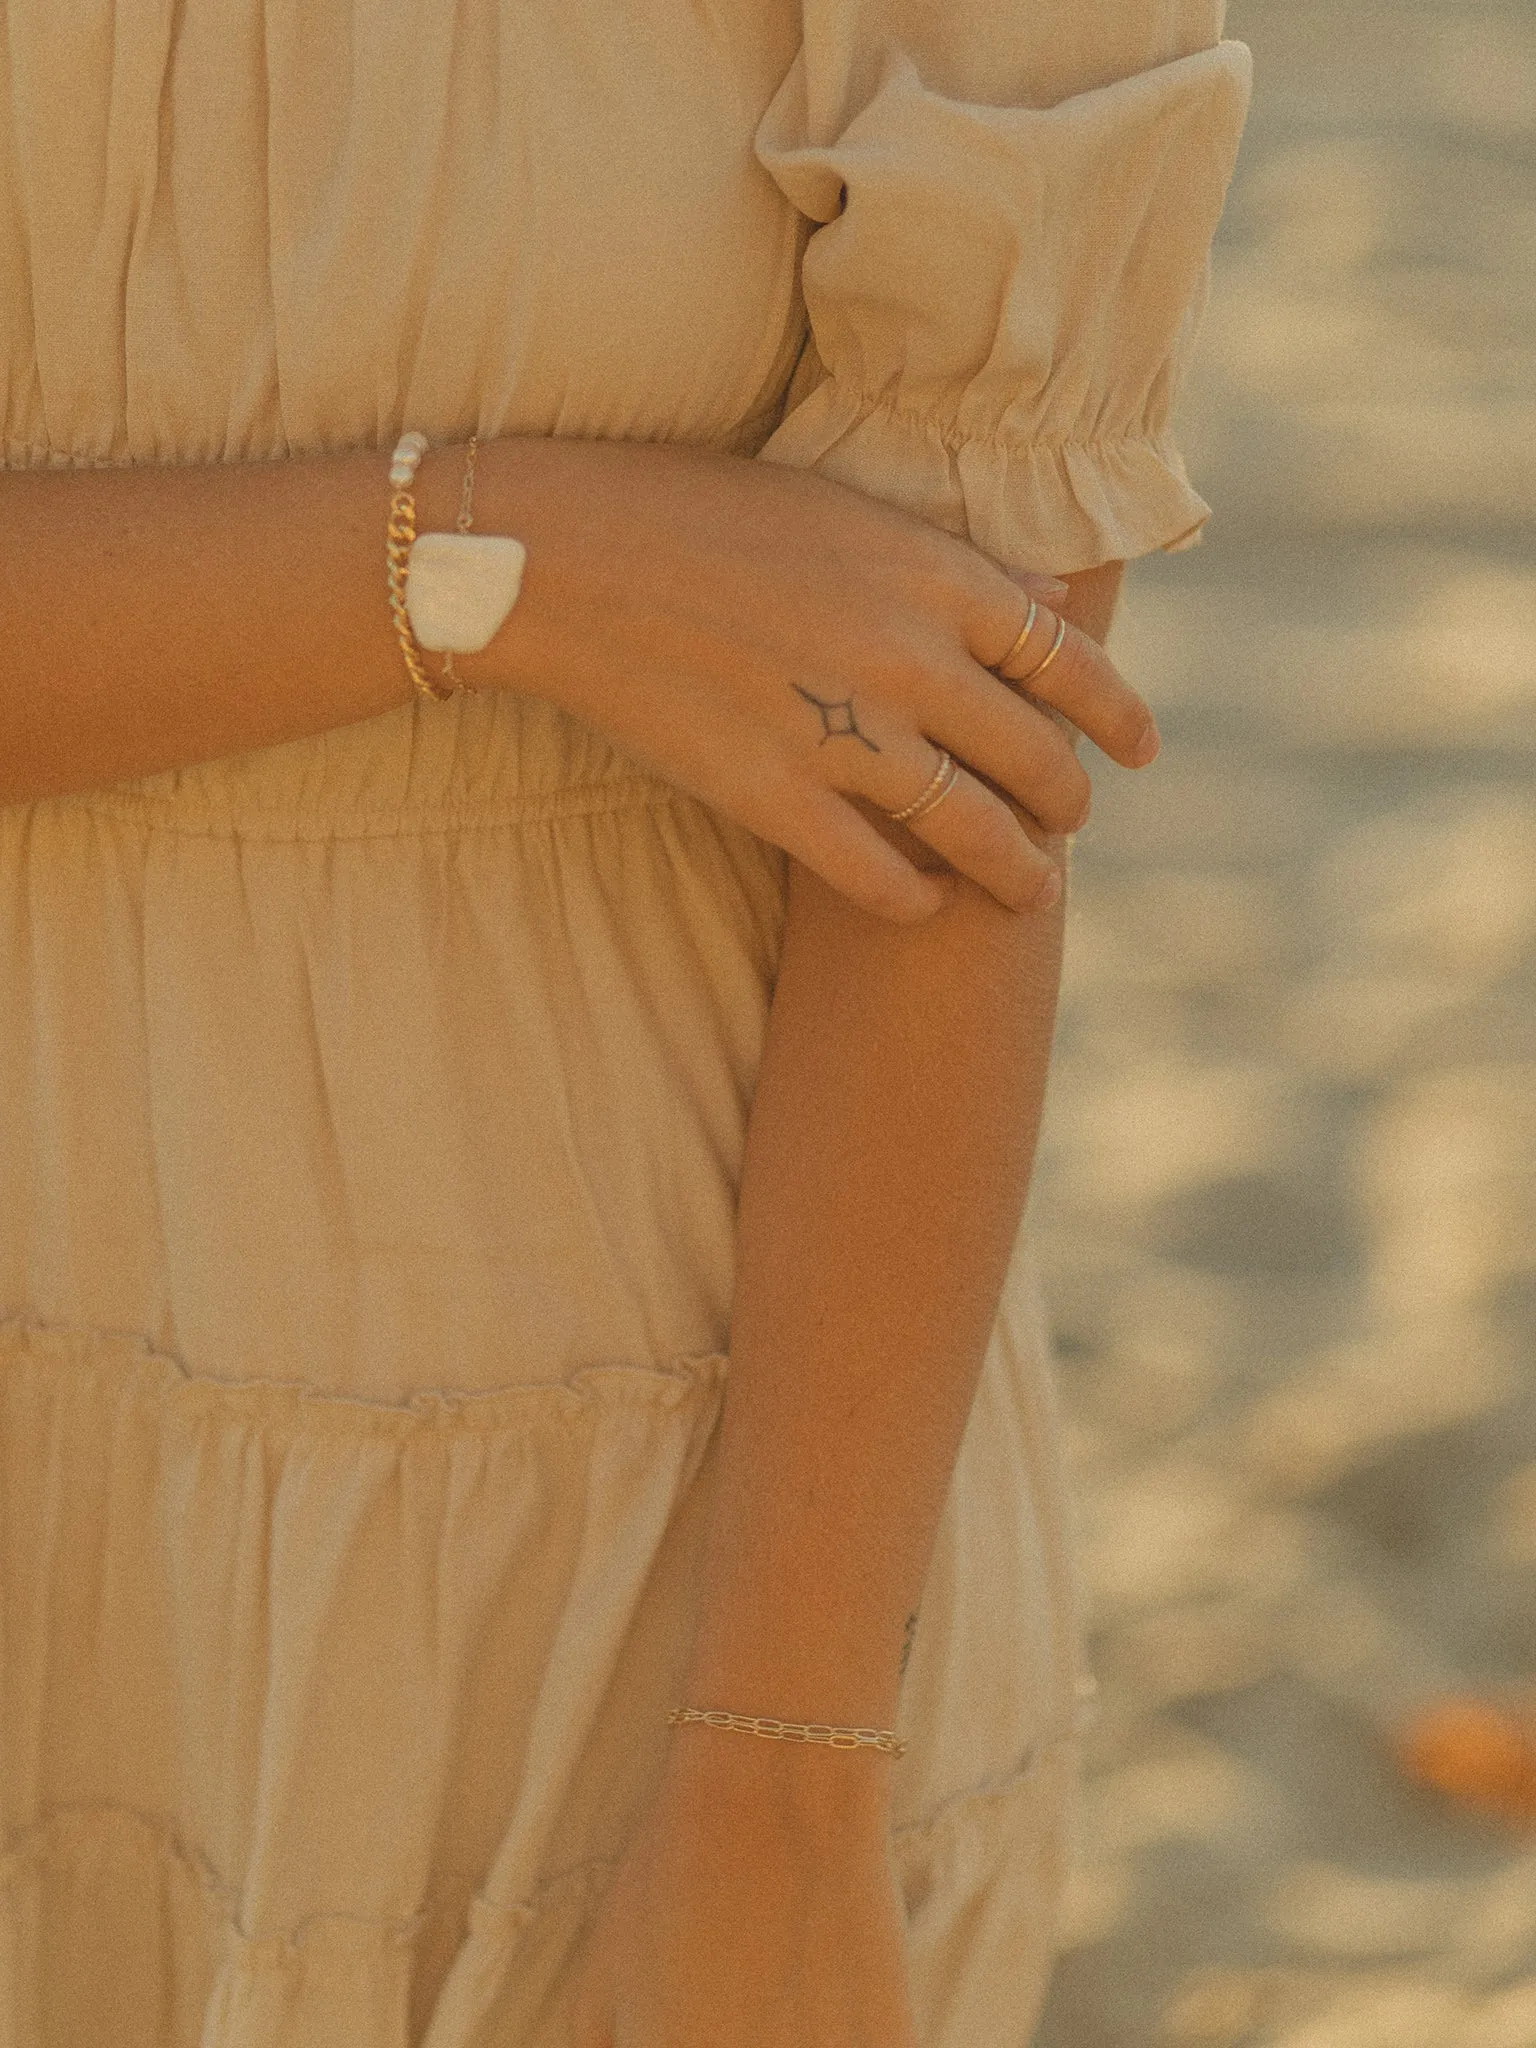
(1055, 649)
(1025, 631)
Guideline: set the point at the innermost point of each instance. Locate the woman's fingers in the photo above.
(979, 835)
(997, 732)
(1081, 681)
(971, 828)
(768, 789)
(1063, 667)
(821, 829)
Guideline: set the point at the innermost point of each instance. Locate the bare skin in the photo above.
(888, 1159)
(785, 647)
(691, 605)
(793, 653)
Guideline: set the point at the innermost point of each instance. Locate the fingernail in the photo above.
(1050, 891)
(1151, 746)
(1054, 586)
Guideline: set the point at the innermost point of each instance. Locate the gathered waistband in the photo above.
(478, 759)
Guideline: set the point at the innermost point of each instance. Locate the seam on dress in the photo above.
(25, 455)
(951, 436)
(50, 1836)
(206, 821)
(294, 1405)
(60, 1820)
(1000, 1785)
(988, 1791)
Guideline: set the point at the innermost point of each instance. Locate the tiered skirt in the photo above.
(371, 1115)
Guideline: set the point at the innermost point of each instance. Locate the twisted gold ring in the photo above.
(938, 788)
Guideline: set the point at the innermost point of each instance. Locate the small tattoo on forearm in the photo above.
(837, 719)
(906, 1648)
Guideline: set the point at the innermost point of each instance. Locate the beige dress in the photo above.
(371, 1106)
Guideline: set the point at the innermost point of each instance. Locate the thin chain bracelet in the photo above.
(462, 525)
(793, 1731)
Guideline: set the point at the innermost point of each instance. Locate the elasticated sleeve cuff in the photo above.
(1003, 301)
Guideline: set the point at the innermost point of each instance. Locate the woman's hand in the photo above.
(783, 648)
(757, 1906)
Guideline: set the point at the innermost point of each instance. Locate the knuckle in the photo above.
(954, 575)
(926, 661)
(881, 667)
(912, 673)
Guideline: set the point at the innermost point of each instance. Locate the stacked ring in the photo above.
(1025, 631)
(944, 777)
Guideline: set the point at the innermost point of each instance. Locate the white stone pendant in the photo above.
(460, 586)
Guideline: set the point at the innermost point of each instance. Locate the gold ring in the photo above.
(933, 794)
(1029, 627)
(1055, 649)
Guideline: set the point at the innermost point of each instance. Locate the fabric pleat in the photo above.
(374, 1115)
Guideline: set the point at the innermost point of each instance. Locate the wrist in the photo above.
(798, 1686)
(529, 487)
(439, 493)
(726, 1778)
(775, 1632)
(440, 605)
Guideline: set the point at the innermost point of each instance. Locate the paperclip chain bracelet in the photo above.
(793, 1731)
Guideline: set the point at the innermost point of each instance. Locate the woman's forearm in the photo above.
(887, 1165)
(158, 616)
(161, 615)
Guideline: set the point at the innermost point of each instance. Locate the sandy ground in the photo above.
(1288, 1190)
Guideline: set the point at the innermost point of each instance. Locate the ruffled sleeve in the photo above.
(1014, 206)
